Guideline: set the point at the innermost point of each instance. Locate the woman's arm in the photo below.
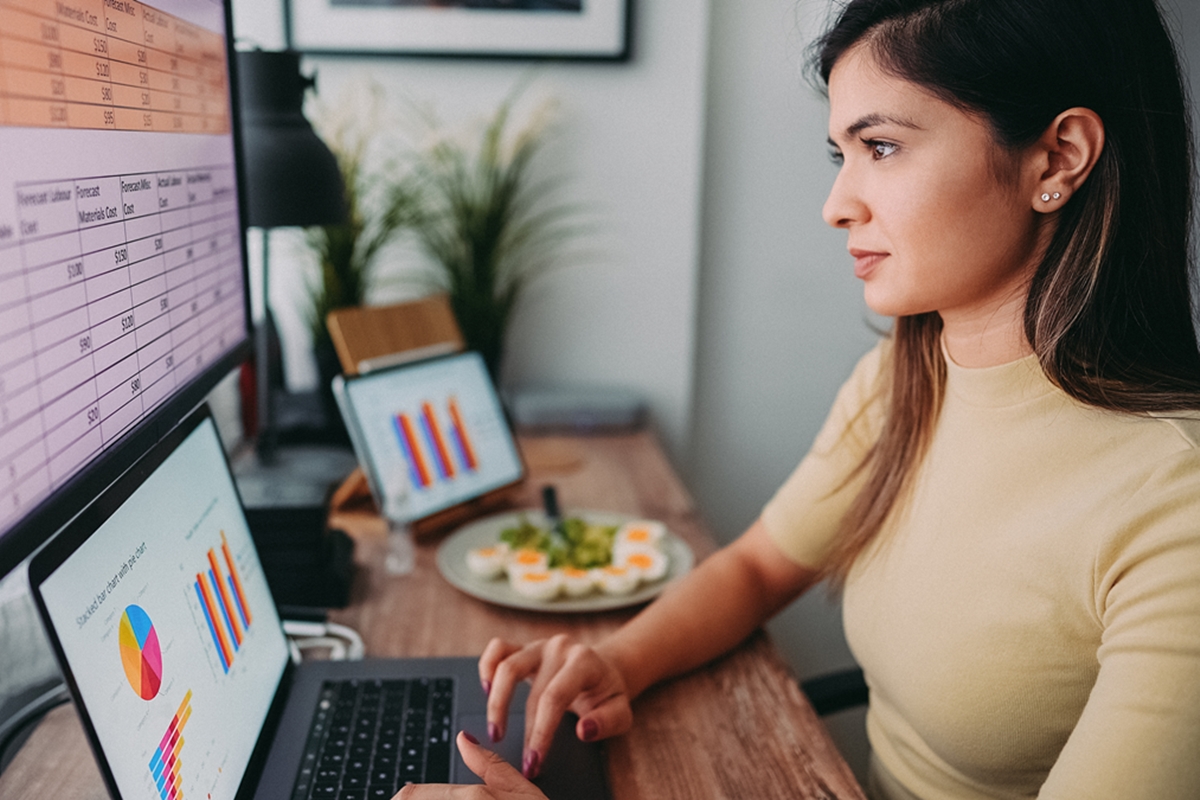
(701, 617)
(1138, 737)
(709, 613)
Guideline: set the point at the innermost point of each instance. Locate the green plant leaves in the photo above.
(485, 221)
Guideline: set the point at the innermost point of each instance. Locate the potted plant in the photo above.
(380, 202)
(488, 226)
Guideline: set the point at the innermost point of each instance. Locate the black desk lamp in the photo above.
(292, 179)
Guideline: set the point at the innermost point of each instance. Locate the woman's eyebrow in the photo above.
(874, 120)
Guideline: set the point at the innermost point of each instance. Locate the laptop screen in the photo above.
(168, 629)
(432, 434)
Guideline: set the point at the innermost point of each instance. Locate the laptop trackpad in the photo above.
(574, 769)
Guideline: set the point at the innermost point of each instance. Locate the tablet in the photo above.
(429, 435)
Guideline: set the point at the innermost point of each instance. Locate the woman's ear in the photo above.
(1066, 154)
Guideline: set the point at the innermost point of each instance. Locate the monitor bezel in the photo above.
(64, 503)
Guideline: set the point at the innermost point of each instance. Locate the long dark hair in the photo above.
(1109, 312)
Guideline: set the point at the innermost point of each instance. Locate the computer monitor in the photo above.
(123, 295)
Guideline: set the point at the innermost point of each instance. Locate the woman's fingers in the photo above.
(501, 781)
(573, 677)
(612, 717)
(496, 651)
(564, 675)
(499, 776)
(443, 791)
(516, 666)
(555, 654)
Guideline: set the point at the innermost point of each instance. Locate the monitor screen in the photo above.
(122, 274)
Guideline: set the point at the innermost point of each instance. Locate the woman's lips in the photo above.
(865, 262)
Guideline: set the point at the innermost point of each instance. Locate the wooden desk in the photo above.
(737, 728)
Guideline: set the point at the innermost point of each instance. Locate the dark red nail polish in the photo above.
(590, 729)
(533, 765)
(494, 732)
(467, 735)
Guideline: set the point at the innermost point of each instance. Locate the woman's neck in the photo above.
(987, 337)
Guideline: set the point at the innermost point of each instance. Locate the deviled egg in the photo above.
(616, 580)
(650, 565)
(639, 536)
(487, 562)
(536, 584)
(527, 560)
(577, 582)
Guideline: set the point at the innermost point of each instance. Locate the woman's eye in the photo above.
(836, 157)
(880, 149)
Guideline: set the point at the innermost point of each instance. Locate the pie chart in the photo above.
(140, 654)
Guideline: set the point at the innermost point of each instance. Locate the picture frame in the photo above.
(597, 30)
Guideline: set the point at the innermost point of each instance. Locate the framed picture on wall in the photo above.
(571, 29)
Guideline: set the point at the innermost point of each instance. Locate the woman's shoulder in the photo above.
(1154, 439)
(1173, 465)
(1153, 467)
(1184, 424)
(1140, 445)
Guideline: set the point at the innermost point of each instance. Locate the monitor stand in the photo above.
(307, 564)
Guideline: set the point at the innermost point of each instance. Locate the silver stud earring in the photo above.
(1057, 195)
(1045, 198)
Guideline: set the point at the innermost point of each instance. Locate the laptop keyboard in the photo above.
(371, 737)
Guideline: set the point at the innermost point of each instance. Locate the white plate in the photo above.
(452, 563)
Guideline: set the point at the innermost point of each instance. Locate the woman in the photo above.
(1008, 488)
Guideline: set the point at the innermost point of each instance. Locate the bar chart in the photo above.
(164, 766)
(436, 448)
(223, 604)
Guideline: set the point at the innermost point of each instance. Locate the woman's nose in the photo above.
(842, 206)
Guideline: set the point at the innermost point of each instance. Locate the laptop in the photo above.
(156, 606)
(429, 434)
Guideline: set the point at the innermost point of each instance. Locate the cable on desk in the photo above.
(342, 642)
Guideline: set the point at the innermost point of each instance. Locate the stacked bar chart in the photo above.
(164, 767)
(223, 603)
(436, 448)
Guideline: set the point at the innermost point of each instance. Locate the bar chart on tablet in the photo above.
(436, 444)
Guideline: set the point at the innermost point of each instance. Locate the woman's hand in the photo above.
(501, 781)
(679, 631)
(565, 675)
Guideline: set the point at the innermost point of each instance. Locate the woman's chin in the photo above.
(885, 304)
(889, 301)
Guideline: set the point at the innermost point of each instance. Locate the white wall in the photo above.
(631, 142)
(782, 316)
(782, 320)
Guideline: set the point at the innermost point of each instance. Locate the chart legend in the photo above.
(164, 767)
(436, 449)
(223, 603)
(141, 655)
